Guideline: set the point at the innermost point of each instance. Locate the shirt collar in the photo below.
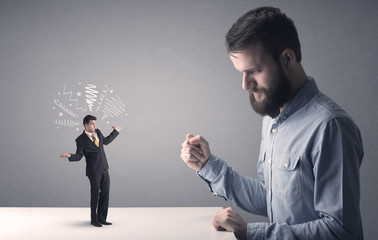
(301, 98)
(90, 134)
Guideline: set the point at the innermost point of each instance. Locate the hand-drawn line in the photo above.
(66, 122)
(102, 96)
(91, 95)
(59, 104)
(113, 107)
(70, 99)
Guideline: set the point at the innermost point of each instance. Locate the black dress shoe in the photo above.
(96, 224)
(106, 223)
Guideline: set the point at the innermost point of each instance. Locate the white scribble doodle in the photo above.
(113, 107)
(71, 104)
(101, 98)
(71, 100)
(66, 123)
(91, 95)
(59, 104)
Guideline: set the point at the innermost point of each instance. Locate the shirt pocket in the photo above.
(286, 177)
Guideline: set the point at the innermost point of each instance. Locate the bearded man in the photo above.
(310, 153)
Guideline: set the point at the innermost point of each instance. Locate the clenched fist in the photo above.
(195, 151)
(229, 220)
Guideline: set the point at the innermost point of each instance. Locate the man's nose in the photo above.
(248, 82)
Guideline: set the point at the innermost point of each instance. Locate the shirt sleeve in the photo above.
(336, 157)
(246, 192)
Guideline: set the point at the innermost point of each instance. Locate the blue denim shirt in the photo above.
(308, 170)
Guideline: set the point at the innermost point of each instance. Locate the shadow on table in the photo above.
(80, 224)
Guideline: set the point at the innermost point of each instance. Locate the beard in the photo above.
(276, 96)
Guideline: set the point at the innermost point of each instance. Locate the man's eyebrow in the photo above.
(252, 69)
(232, 55)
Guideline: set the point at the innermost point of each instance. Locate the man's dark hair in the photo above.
(268, 26)
(88, 118)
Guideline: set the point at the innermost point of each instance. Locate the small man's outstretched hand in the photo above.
(65, 155)
(118, 128)
(228, 220)
(195, 151)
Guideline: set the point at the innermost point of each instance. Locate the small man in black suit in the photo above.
(91, 144)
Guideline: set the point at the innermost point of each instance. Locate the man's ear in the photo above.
(288, 58)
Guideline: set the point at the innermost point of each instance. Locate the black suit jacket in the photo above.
(94, 156)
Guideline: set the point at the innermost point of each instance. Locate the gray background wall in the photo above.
(166, 60)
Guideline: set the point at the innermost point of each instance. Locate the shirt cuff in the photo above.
(256, 231)
(212, 169)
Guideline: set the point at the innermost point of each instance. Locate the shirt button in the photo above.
(274, 130)
(286, 165)
(269, 192)
(284, 117)
(270, 161)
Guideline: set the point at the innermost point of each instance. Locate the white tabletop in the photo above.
(191, 223)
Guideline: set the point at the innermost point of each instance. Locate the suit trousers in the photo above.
(100, 186)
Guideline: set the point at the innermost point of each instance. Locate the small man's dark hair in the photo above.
(88, 118)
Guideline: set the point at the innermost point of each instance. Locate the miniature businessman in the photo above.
(91, 145)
